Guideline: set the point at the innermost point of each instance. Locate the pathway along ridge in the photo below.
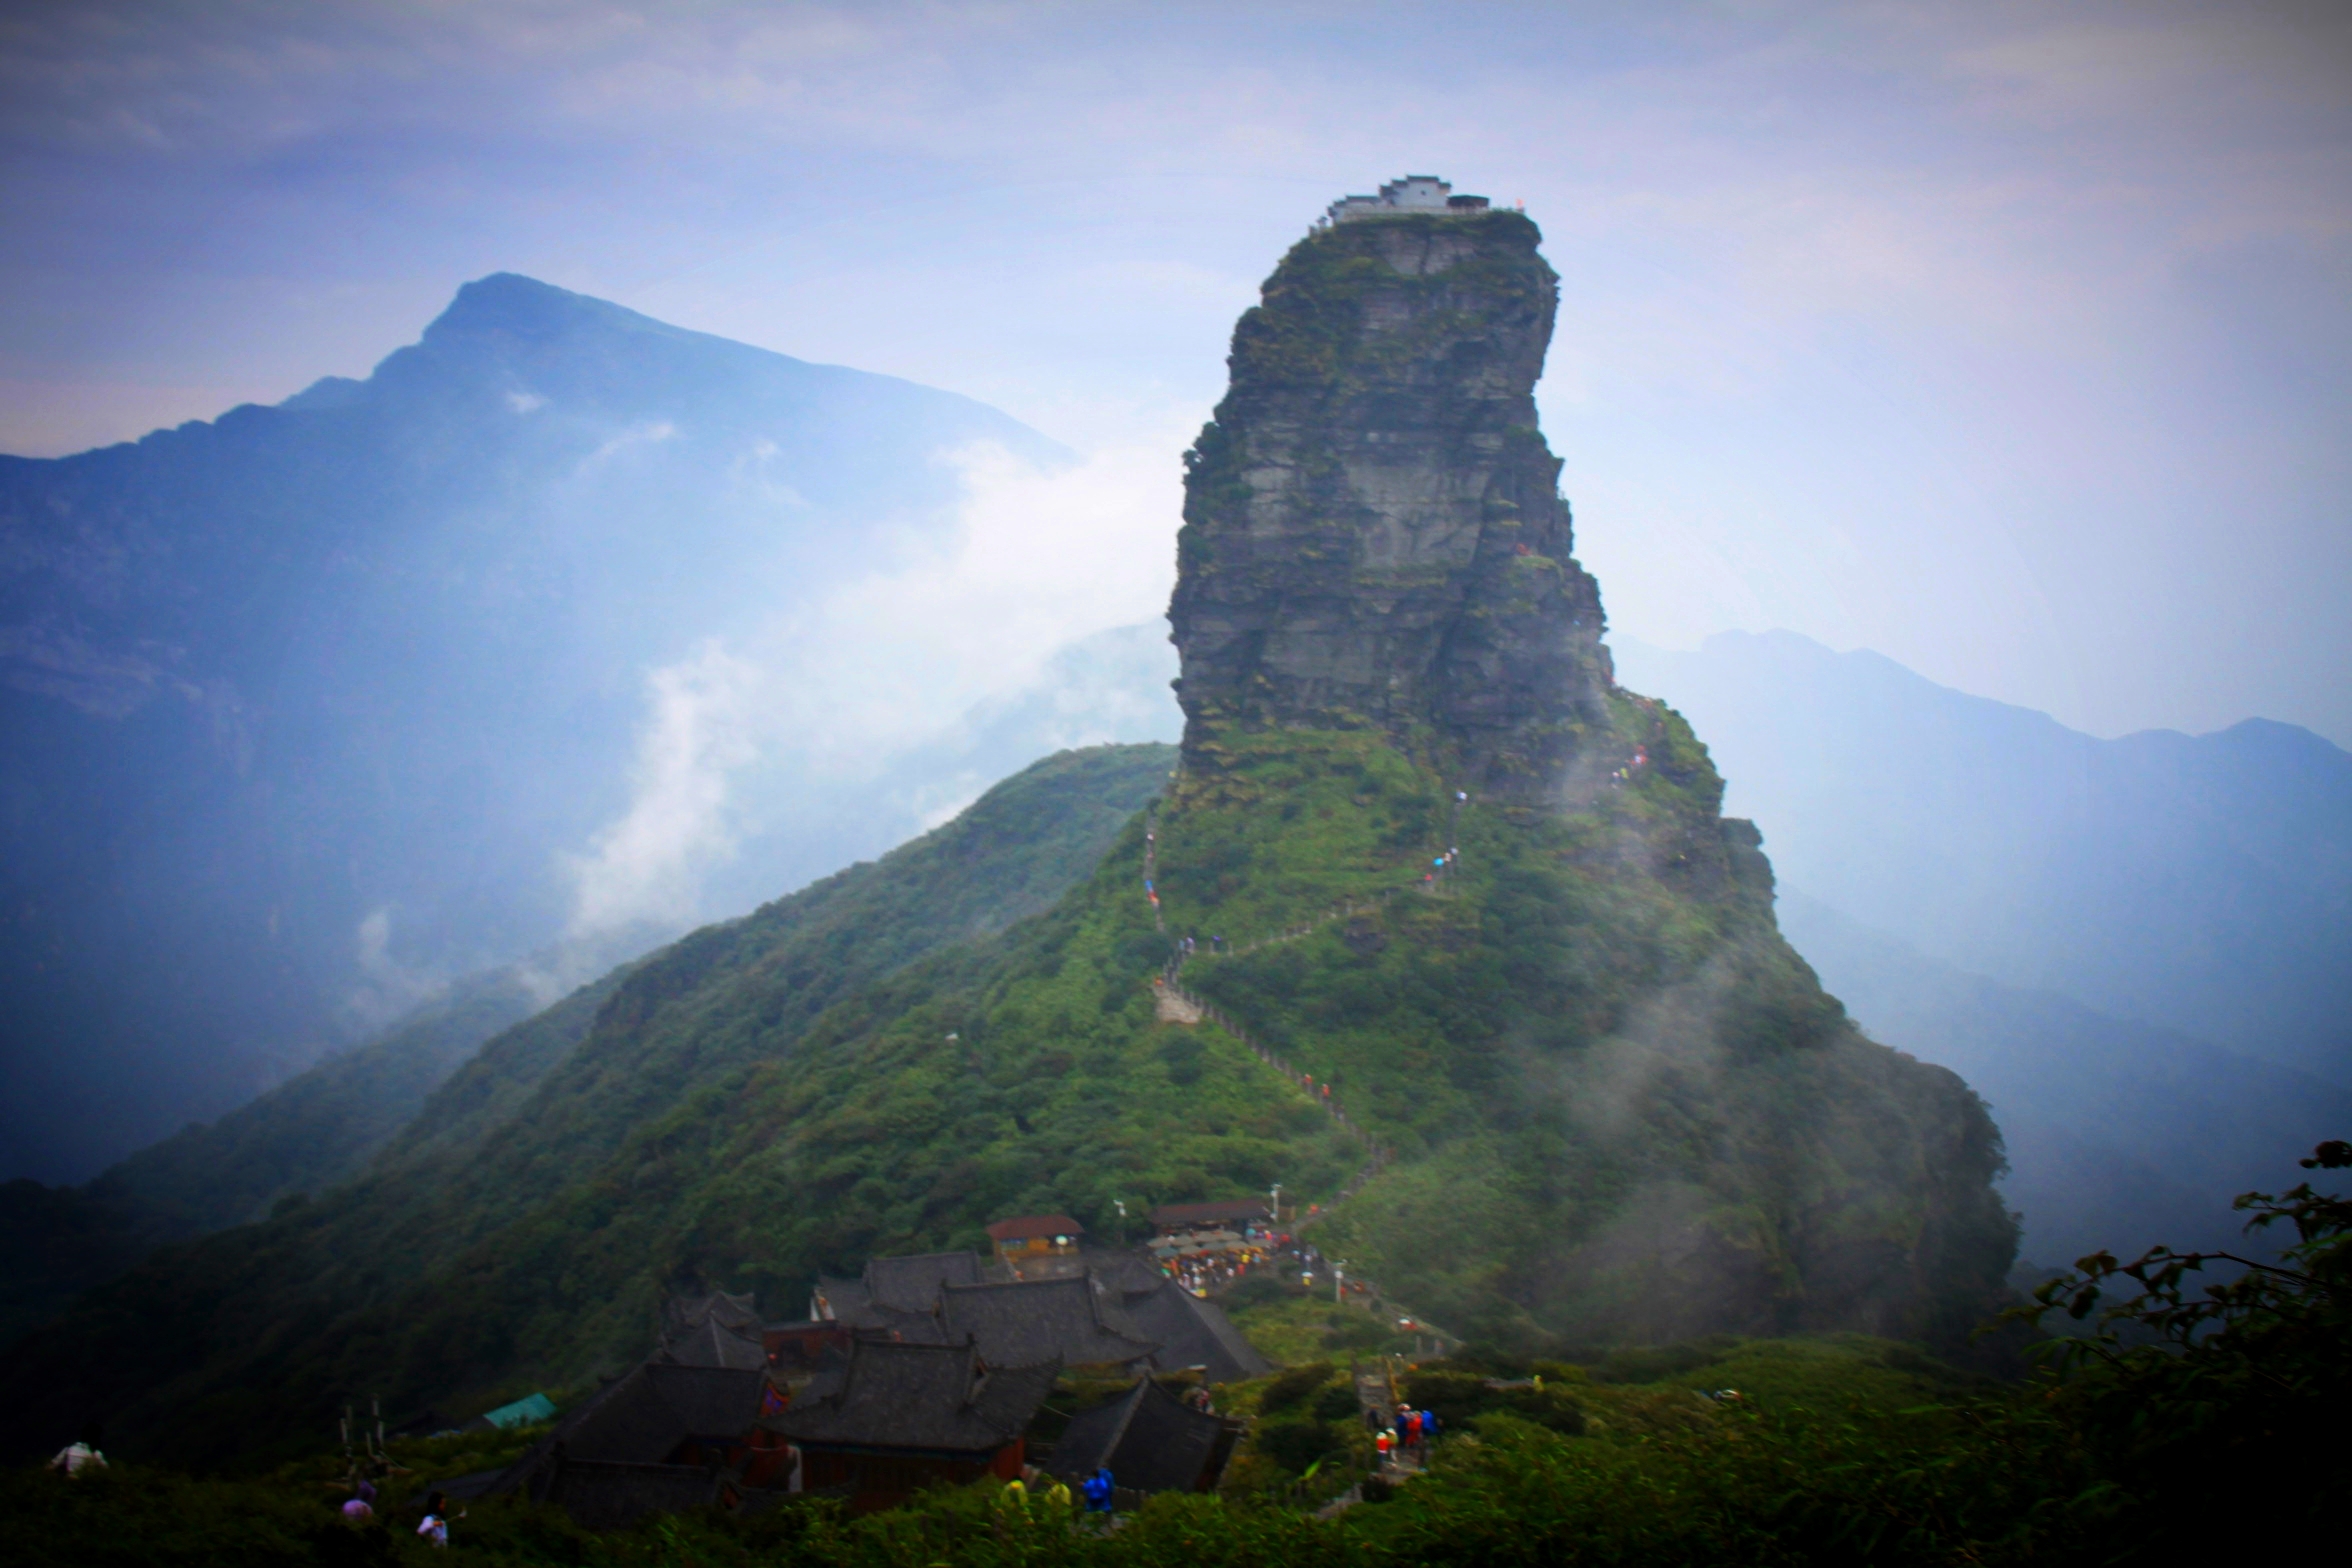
(1170, 983)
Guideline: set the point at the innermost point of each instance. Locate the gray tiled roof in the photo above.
(607, 1496)
(641, 1419)
(1148, 1437)
(1073, 1321)
(913, 1284)
(937, 1398)
(688, 1312)
(899, 1285)
(1194, 1333)
(711, 1343)
(846, 1299)
(1015, 1322)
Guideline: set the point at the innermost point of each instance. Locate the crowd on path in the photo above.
(1213, 1271)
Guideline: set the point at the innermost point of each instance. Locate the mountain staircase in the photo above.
(1174, 1004)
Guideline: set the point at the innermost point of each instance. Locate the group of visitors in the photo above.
(1205, 1272)
(360, 1508)
(1096, 1491)
(82, 1458)
(1409, 1438)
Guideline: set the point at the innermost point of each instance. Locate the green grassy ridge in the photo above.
(422, 1279)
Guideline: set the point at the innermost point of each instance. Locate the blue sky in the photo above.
(2011, 341)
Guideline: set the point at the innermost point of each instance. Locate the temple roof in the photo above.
(1193, 1333)
(641, 1419)
(939, 1398)
(732, 1311)
(1072, 1321)
(711, 1343)
(912, 1284)
(899, 1285)
(1147, 1437)
(645, 1416)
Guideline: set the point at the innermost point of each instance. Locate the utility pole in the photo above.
(1121, 1205)
(1338, 1279)
(1275, 1197)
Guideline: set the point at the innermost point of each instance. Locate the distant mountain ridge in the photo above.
(2120, 1134)
(2196, 883)
(302, 709)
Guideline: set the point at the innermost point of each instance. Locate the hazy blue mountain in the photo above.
(301, 709)
(2199, 883)
(2121, 1134)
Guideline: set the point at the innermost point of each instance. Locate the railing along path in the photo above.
(1170, 983)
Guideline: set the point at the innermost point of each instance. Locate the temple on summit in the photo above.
(1415, 193)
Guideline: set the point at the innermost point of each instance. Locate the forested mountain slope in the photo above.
(240, 1318)
(321, 1127)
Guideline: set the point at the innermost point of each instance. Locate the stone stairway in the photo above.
(1174, 1004)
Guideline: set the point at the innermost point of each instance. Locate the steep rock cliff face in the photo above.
(1629, 1108)
(1373, 533)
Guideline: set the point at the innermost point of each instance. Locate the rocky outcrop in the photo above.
(1595, 1014)
(1373, 534)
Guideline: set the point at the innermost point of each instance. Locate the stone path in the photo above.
(1176, 1005)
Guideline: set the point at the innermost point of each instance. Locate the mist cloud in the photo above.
(643, 866)
(827, 695)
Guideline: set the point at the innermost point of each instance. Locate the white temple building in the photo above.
(1415, 193)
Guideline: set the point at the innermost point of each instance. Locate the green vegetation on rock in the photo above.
(1620, 1105)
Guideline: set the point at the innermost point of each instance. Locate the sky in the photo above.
(2013, 342)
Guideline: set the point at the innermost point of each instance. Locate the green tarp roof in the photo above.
(523, 1412)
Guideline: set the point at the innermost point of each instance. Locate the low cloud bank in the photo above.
(871, 685)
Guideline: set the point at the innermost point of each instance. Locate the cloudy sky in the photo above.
(2014, 342)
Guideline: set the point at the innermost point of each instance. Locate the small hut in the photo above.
(1028, 1240)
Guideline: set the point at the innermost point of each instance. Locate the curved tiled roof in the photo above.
(1147, 1437)
(936, 1398)
(1073, 1321)
(1194, 1333)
